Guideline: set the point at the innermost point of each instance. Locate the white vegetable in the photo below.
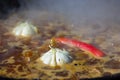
(56, 57)
(25, 29)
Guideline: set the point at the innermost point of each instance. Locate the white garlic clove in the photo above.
(17, 31)
(53, 60)
(56, 57)
(25, 29)
(48, 58)
(63, 58)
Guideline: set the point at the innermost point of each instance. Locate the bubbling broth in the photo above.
(19, 57)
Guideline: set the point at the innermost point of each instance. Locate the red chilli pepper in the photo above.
(82, 45)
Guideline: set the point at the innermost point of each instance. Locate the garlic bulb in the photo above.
(56, 57)
(25, 29)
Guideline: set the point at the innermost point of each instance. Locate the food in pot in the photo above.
(19, 57)
(82, 45)
(56, 57)
(25, 29)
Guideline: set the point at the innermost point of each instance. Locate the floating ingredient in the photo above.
(25, 29)
(82, 45)
(56, 57)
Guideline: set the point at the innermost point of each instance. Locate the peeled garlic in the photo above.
(25, 29)
(56, 57)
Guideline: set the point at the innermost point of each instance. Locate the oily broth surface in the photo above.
(14, 65)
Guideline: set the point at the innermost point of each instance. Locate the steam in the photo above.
(80, 11)
(87, 16)
(77, 10)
